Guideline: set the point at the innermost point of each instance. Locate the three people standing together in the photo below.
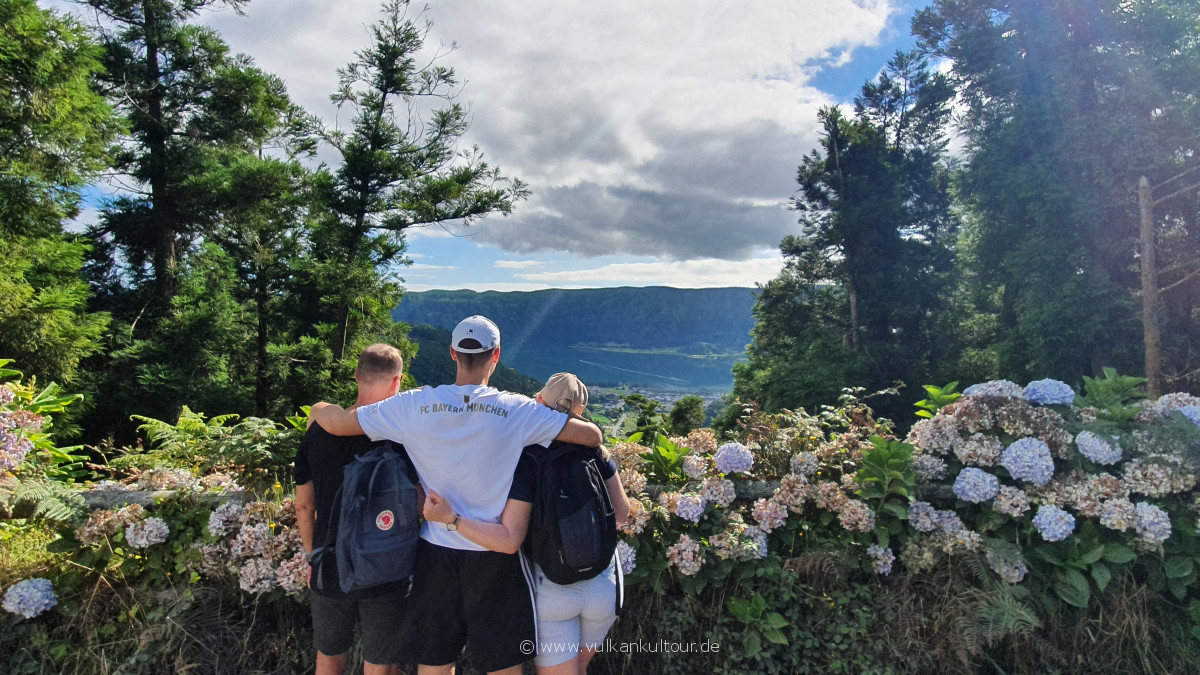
(474, 450)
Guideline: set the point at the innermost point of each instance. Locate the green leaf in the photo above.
(63, 545)
(1118, 554)
(1092, 556)
(892, 508)
(1072, 595)
(757, 605)
(871, 492)
(1178, 567)
(1178, 588)
(1101, 575)
(774, 635)
(882, 537)
(776, 620)
(753, 644)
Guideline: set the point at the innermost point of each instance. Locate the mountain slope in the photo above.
(651, 336)
(433, 365)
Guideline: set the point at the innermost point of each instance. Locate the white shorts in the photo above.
(574, 617)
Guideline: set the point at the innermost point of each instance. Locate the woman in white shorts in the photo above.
(572, 620)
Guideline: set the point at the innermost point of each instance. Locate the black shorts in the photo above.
(482, 597)
(378, 616)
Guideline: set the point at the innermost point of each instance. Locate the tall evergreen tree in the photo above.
(182, 94)
(196, 257)
(1067, 104)
(861, 283)
(54, 132)
(399, 168)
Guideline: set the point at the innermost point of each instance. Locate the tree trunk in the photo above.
(1149, 264)
(156, 143)
(852, 294)
(260, 384)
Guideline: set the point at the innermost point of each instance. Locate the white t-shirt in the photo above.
(465, 441)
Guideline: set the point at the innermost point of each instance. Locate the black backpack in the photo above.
(573, 528)
(376, 521)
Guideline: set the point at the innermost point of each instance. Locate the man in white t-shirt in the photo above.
(465, 440)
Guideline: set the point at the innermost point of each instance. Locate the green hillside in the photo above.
(433, 365)
(650, 336)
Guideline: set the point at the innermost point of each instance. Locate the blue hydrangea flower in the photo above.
(691, 507)
(1192, 412)
(1029, 459)
(1153, 524)
(1053, 523)
(1008, 566)
(1049, 392)
(1097, 449)
(976, 485)
(883, 558)
(734, 458)
(30, 597)
(1002, 388)
(948, 521)
(922, 516)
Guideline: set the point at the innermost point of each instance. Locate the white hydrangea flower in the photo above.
(149, 532)
(627, 556)
(695, 466)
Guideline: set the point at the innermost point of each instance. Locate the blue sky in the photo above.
(660, 139)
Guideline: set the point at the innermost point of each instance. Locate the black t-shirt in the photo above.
(524, 485)
(321, 460)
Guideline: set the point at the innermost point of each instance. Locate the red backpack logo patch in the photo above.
(385, 520)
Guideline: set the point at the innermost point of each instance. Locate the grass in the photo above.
(23, 551)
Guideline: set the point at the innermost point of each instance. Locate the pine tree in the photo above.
(861, 283)
(54, 132)
(1067, 104)
(399, 169)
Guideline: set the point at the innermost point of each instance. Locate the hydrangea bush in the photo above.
(1031, 481)
(695, 531)
(1078, 494)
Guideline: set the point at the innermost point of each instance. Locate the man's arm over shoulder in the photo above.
(335, 419)
(580, 432)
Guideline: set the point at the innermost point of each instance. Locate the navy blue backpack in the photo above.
(377, 523)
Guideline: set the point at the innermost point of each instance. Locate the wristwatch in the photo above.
(453, 525)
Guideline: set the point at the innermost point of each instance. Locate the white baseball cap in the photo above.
(478, 328)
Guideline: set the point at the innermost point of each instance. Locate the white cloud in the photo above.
(661, 128)
(709, 273)
(427, 267)
(516, 264)
(482, 286)
(86, 217)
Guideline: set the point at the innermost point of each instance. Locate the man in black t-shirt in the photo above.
(320, 465)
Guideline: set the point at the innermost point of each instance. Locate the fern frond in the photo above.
(220, 420)
(1000, 616)
(49, 499)
(979, 569)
